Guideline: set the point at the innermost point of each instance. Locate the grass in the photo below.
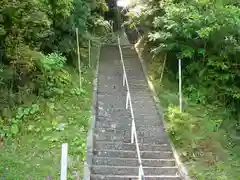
(35, 152)
(206, 148)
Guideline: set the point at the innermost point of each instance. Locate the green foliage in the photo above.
(208, 150)
(202, 143)
(33, 132)
(30, 29)
(12, 126)
(37, 59)
(53, 76)
(205, 35)
(31, 32)
(52, 62)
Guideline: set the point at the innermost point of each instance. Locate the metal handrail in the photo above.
(129, 102)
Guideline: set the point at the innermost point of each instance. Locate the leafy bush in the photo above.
(53, 77)
(204, 34)
(11, 127)
(52, 62)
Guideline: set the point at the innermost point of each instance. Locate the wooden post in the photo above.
(64, 161)
(79, 62)
(89, 53)
(180, 84)
(162, 72)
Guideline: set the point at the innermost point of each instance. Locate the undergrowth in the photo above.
(60, 113)
(206, 147)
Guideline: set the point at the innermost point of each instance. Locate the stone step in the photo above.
(110, 124)
(114, 112)
(112, 65)
(127, 139)
(127, 177)
(128, 170)
(118, 115)
(116, 76)
(141, 130)
(127, 123)
(109, 161)
(124, 123)
(126, 119)
(100, 145)
(109, 51)
(139, 89)
(147, 102)
(108, 72)
(147, 111)
(110, 99)
(111, 86)
(141, 97)
(148, 121)
(129, 54)
(143, 134)
(142, 106)
(108, 66)
(133, 154)
(138, 81)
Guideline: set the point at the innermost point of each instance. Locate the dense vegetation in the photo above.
(41, 104)
(204, 34)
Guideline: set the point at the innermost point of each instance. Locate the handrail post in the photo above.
(140, 172)
(132, 132)
(64, 161)
(127, 100)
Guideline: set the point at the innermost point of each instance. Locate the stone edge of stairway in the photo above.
(90, 140)
(183, 172)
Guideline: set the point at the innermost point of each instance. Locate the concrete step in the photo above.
(139, 89)
(129, 54)
(128, 170)
(141, 131)
(142, 97)
(126, 119)
(100, 145)
(143, 134)
(113, 113)
(143, 106)
(108, 100)
(111, 124)
(133, 154)
(127, 177)
(110, 65)
(124, 123)
(109, 161)
(148, 102)
(113, 85)
(147, 111)
(109, 51)
(148, 121)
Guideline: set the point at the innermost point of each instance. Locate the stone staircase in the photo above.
(113, 156)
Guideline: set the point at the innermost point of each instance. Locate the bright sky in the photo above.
(123, 3)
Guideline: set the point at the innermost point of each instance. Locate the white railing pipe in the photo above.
(129, 105)
(64, 161)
